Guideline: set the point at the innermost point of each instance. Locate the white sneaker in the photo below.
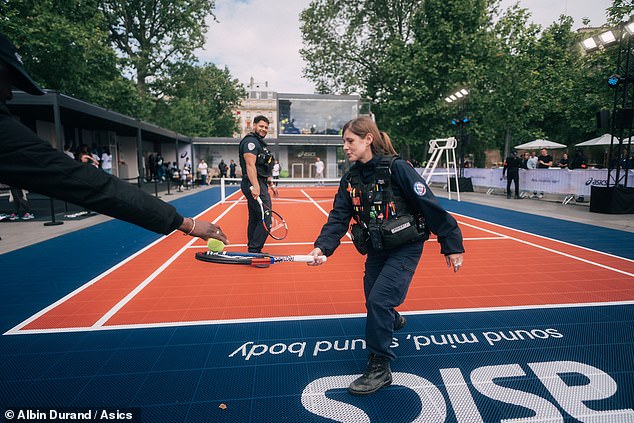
(28, 216)
(13, 216)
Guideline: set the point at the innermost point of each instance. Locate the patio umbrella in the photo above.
(605, 139)
(538, 144)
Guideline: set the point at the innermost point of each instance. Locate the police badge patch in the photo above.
(419, 189)
(251, 146)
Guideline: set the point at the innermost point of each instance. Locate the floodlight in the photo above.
(453, 97)
(459, 94)
(464, 92)
(607, 38)
(629, 27)
(448, 100)
(589, 44)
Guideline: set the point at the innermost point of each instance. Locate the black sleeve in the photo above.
(28, 162)
(437, 219)
(338, 221)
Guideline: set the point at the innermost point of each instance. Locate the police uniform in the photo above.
(387, 191)
(512, 166)
(254, 144)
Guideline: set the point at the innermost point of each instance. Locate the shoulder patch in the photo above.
(419, 188)
(251, 146)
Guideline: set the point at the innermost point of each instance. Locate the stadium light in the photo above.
(460, 121)
(457, 95)
(607, 38)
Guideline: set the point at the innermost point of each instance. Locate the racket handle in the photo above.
(258, 199)
(308, 259)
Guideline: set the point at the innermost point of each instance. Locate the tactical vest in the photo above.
(383, 219)
(264, 161)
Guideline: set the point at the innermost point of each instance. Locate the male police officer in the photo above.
(511, 168)
(257, 163)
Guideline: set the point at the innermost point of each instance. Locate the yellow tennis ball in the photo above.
(215, 245)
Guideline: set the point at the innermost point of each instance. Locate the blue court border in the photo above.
(186, 373)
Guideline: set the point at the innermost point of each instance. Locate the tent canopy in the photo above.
(605, 139)
(538, 144)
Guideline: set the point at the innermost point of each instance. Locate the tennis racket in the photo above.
(273, 223)
(253, 259)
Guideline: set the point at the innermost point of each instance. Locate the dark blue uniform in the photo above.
(388, 273)
(256, 234)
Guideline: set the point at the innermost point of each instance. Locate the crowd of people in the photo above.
(529, 160)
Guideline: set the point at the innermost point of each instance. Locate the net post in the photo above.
(223, 194)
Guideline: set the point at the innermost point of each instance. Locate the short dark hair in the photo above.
(258, 118)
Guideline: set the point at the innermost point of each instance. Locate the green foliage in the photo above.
(198, 100)
(64, 47)
(68, 46)
(405, 56)
(152, 34)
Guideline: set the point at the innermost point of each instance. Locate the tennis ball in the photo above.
(215, 245)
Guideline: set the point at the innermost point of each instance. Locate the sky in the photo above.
(261, 38)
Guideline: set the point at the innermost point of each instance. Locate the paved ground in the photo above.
(17, 235)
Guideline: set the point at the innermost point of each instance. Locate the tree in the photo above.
(152, 34)
(198, 100)
(64, 47)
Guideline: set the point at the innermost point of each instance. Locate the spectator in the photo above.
(232, 169)
(203, 169)
(275, 173)
(511, 170)
(68, 151)
(525, 158)
(222, 167)
(545, 160)
(106, 161)
(563, 162)
(319, 170)
(86, 157)
(20, 200)
(579, 161)
(160, 167)
(531, 163)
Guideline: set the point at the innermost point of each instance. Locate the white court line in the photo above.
(290, 244)
(114, 310)
(316, 317)
(17, 329)
(561, 253)
(522, 241)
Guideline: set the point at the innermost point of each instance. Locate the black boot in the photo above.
(400, 323)
(377, 374)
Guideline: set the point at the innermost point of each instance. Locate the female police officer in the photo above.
(393, 212)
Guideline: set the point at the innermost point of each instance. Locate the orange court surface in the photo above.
(533, 327)
(164, 285)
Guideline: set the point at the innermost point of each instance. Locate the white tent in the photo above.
(605, 139)
(538, 144)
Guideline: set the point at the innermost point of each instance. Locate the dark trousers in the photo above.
(256, 234)
(513, 176)
(385, 283)
(19, 201)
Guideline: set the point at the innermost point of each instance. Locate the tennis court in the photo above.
(537, 326)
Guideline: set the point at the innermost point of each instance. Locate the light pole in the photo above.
(461, 121)
(612, 198)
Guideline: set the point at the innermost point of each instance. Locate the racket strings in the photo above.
(275, 224)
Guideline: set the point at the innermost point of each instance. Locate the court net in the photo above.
(291, 190)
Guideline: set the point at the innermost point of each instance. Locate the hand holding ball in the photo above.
(215, 245)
